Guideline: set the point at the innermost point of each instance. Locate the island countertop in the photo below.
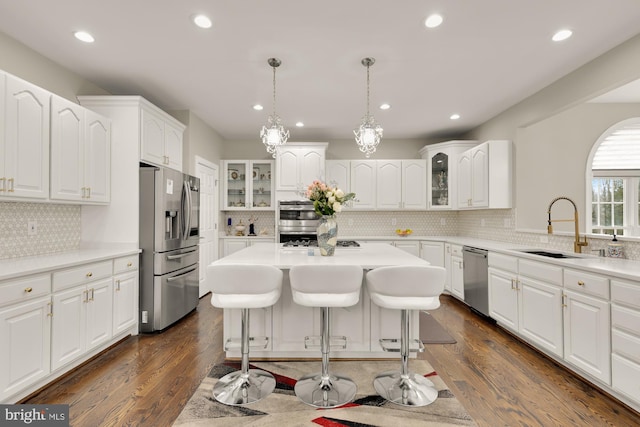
(368, 255)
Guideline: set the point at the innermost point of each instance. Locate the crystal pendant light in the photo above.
(273, 134)
(369, 133)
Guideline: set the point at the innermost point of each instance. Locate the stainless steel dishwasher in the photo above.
(476, 279)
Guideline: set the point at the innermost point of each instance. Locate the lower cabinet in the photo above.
(259, 327)
(410, 246)
(25, 331)
(231, 245)
(625, 338)
(540, 314)
(457, 272)
(125, 297)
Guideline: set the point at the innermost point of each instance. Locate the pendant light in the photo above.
(273, 134)
(369, 133)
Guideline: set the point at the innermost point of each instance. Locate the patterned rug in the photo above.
(282, 407)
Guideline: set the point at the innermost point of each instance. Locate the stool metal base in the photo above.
(406, 390)
(237, 388)
(325, 392)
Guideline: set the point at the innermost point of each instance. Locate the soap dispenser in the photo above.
(615, 248)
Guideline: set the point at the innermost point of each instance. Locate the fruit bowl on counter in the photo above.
(403, 232)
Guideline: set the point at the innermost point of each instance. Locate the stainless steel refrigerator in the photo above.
(169, 235)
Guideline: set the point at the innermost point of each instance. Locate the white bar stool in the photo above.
(405, 288)
(244, 287)
(325, 286)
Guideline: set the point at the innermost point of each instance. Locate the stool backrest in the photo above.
(330, 279)
(243, 279)
(404, 281)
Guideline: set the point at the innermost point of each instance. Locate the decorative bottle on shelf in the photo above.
(615, 249)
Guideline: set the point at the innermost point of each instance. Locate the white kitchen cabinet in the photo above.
(24, 140)
(503, 298)
(401, 184)
(234, 244)
(442, 172)
(82, 311)
(385, 324)
(625, 338)
(447, 266)
(363, 183)
(125, 293)
(161, 137)
(587, 323)
(433, 252)
(247, 184)
(339, 174)
(457, 272)
(299, 164)
(25, 331)
(409, 246)
(80, 153)
(260, 327)
(485, 176)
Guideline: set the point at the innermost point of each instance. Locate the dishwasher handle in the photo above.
(475, 251)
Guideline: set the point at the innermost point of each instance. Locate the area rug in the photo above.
(431, 332)
(282, 407)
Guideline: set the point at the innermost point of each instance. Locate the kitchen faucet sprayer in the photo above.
(577, 244)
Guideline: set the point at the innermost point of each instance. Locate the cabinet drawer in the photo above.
(546, 272)
(503, 262)
(626, 319)
(587, 283)
(625, 376)
(626, 293)
(23, 289)
(456, 250)
(83, 274)
(124, 264)
(625, 345)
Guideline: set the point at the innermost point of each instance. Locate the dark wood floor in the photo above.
(146, 380)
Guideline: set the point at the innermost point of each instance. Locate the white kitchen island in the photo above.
(286, 323)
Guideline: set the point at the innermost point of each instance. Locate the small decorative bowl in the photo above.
(404, 233)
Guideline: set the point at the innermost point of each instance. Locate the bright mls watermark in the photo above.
(34, 415)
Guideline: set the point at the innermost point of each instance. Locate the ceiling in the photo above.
(486, 56)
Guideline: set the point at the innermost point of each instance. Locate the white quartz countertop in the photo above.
(368, 255)
(16, 267)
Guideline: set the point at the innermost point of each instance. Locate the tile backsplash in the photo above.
(58, 228)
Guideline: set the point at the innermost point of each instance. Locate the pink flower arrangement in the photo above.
(327, 200)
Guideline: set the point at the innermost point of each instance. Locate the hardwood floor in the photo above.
(146, 380)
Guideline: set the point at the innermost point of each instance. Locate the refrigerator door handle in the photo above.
(186, 273)
(172, 257)
(186, 209)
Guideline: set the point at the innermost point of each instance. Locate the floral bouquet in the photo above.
(327, 200)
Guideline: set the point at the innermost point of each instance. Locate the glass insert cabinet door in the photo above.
(248, 185)
(439, 180)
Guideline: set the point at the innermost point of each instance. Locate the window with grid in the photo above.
(615, 181)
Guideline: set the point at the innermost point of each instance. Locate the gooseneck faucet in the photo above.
(577, 244)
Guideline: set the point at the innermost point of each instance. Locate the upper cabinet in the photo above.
(298, 165)
(338, 174)
(161, 138)
(485, 176)
(363, 183)
(442, 173)
(80, 153)
(401, 184)
(248, 184)
(24, 139)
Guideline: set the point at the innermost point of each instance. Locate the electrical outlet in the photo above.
(32, 228)
(394, 222)
(443, 221)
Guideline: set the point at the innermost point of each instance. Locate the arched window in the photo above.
(613, 181)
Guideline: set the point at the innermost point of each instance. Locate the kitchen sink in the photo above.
(547, 253)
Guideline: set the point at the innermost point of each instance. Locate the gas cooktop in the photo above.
(314, 243)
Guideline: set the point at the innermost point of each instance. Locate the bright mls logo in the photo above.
(34, 415)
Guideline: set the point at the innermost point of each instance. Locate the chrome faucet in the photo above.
(577, 244)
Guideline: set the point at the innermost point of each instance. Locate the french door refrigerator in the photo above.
(169, 235)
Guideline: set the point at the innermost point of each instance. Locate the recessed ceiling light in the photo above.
(300, 124)
(385, 106)
(202, 21)
(433, 21)
(561, 35)
(84, 36)
(258, 107)
(454, 116)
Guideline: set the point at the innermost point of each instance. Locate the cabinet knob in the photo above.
(89, 274)
(29, 289)
(129, 264)
(580, 283)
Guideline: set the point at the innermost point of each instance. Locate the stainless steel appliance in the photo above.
(297, 221)
(314, 244)
(476, 278)
(169, 235)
